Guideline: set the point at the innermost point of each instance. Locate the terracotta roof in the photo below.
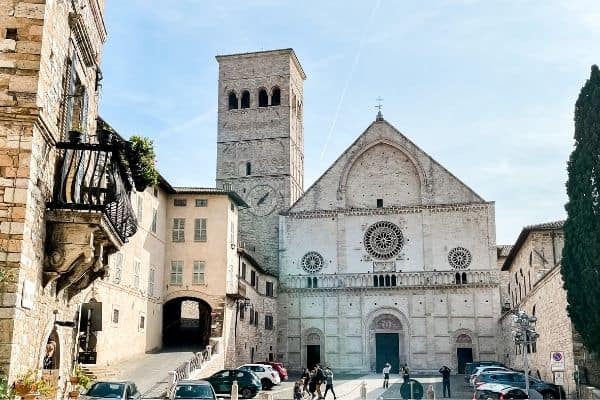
(546, 226)
(204, 190)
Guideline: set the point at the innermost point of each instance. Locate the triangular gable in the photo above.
(435, 183)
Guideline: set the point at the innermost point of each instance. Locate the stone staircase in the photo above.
(98, 373)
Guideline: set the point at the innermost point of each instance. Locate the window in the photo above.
(232, 207)
(11, 33)
(180, 202)
(251, 316)
(243, 271)
(201, 203)
(154, 218)
(269, 288)
(118, 264)
(233, 101)
(198, 273)
(269, 322)
(151, 282)
(176, 272)
(245, 99)
(276, 97)
(379, 203)
(263, 98)
(252, 277)
(115, 316)
(142, 321)
(179, 229)
(200, 230)
(136, 273)
(140, 208)
(256, 283)
(248, 168)
(255, 318)
(242, 311)
(232, 234)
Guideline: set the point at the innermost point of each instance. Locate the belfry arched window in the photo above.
(276, 97)
(233, 101)
(245, 99)
(263, 98)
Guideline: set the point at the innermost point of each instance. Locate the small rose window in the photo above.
(312, 262)
(459, 258)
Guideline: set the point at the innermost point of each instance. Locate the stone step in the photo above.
(99, 373)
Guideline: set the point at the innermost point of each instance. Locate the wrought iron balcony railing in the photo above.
(422, 279)
(92, 178)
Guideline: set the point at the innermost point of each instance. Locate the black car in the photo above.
(194, 390)
(471, 366)
(248, 382)
(517, 379)
(497, 391)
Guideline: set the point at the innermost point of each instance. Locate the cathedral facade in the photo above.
(388, 257)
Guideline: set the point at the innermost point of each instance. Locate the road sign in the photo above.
(87, 357)
(557, 361)
(411, 389)
(559, 378)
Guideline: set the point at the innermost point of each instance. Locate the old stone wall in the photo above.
(430, 324)
(253, 342)
(33, 56)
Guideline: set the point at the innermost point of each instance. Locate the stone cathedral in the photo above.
(387, 257)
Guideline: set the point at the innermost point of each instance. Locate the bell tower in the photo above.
(260, 142)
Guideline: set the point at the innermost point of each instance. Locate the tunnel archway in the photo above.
(186, 323)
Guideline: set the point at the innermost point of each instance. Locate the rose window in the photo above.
(459, 258)
(383, 240)
(312, 262)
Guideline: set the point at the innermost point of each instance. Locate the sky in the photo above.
(487, 88)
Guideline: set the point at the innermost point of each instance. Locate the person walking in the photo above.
(312, 384)
(329, 382)
(320, 379)
(405, 373)
(386, 375)
(445, 371)
(298, 389)
(306, 378)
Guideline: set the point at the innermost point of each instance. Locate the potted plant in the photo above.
(104, 135)
(141, 160)
(75, 136)
(30, 386)
(83, 380)
(5, 390)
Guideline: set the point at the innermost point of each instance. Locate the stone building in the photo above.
(49, 79)
(387, 257)
(535, 286)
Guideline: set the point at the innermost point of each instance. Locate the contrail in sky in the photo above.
(350, 74)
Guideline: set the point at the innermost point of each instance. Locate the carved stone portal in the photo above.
(77, 249)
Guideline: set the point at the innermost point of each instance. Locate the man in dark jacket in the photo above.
(320, 378)
(445, 371)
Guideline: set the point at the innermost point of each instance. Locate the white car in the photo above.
(485, 368)
(267, 375)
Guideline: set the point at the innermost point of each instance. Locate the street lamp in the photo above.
(525, 335)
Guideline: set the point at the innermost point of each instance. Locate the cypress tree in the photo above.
(581, 253)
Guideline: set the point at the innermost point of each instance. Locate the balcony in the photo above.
(390, 280)
(90, 215)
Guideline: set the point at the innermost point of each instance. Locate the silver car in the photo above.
(124, 390)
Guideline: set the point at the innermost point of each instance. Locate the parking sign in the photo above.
(557, 361)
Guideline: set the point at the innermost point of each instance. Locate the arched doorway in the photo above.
(186, 323)
(386, 337)
(464, 351)
(314, 348)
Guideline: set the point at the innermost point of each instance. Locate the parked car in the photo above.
(517, 379)
(194, 389)
(470, 367)
(485, 368)
(279, 368)
(123, 390)
(248, 382)
(496, 391)
(267, 375)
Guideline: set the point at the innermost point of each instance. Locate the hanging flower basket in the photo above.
(74, 380)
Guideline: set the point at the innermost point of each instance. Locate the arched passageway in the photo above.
(186, 323)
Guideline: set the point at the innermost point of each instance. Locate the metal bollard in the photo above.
(234, 391)
(363, 390)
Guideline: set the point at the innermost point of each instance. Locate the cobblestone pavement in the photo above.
(150, 372)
